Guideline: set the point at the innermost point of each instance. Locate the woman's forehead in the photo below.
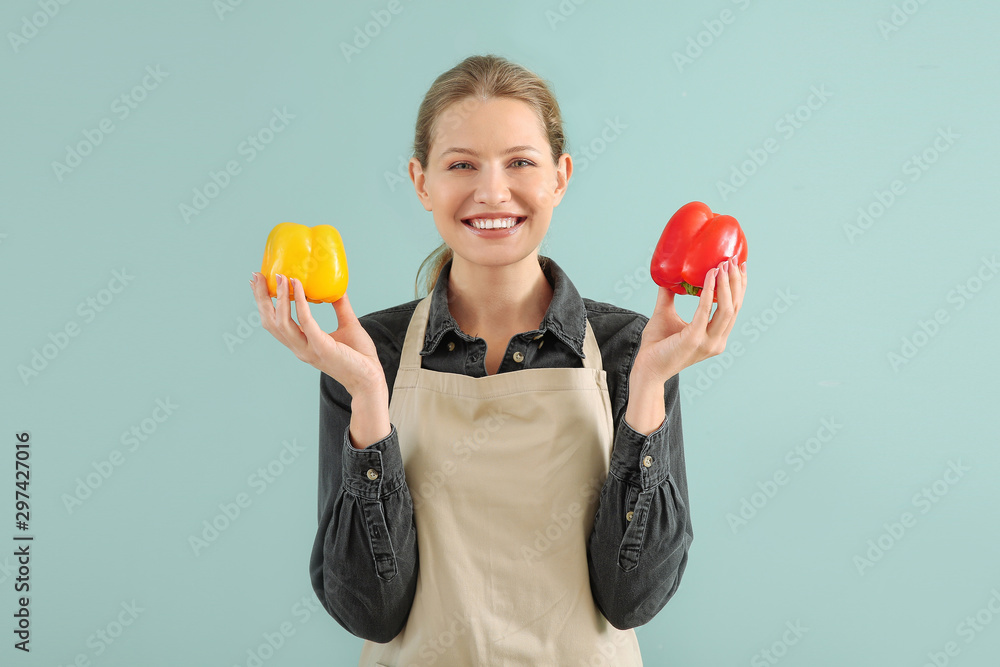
(497, 126)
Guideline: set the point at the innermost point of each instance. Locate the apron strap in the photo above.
(414, 341)
(591, 349)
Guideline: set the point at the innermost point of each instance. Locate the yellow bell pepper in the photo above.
(313, 255)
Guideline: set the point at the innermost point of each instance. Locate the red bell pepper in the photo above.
(695, 241)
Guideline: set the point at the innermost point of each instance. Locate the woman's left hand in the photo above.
(669, 344)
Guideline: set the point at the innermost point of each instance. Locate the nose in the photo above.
(491, 186)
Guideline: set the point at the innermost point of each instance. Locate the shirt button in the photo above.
(451, 345)
(537, 337)
(648, 461)
(628, 517)
(372, 473)
(518, 357)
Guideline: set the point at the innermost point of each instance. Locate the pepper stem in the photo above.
(690, 289)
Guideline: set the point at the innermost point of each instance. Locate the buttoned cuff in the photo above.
(638, 459)
(375, 471)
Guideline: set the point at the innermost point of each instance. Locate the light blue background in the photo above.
(824, 357)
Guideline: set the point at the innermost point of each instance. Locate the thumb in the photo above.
(664, 300)
(344, 311)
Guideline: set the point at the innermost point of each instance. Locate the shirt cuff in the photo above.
(640, 460)
(375, 471)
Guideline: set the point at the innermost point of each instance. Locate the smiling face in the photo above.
(491, 158)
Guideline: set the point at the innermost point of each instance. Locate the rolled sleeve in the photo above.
(638, 549)
(630, 451)
(375, 471)
(364, 559)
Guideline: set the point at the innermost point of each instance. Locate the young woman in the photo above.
(501, 462)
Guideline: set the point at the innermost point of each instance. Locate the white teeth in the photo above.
(497, 223)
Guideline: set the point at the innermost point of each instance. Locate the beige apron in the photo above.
(505, 472)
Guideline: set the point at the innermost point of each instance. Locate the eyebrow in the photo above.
(512, 149)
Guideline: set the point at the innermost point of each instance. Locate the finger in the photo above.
(724, 313)
(664, 321)
(283, 310)
(296, 340)
(264, 306)
(664, 300)
(304, 315)
(704, 309)
(724, 289)
(743, 290)
(283, 313)
(737, 283)
(739, 286)
(345, 314)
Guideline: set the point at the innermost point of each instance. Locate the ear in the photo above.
(418, 178)
(563, 172)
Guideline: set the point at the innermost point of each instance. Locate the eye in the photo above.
(526, 161)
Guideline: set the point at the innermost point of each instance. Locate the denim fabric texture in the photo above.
(364, 560)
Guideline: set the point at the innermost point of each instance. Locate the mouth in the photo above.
(497, 225)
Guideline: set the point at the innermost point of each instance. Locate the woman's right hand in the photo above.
(348, 354)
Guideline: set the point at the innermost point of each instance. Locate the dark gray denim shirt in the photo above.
(364, 559)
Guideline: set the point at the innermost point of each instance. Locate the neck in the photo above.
(505, 299)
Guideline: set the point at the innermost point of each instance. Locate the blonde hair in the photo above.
(481, 77)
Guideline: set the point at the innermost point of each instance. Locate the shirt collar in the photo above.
(565, 317)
